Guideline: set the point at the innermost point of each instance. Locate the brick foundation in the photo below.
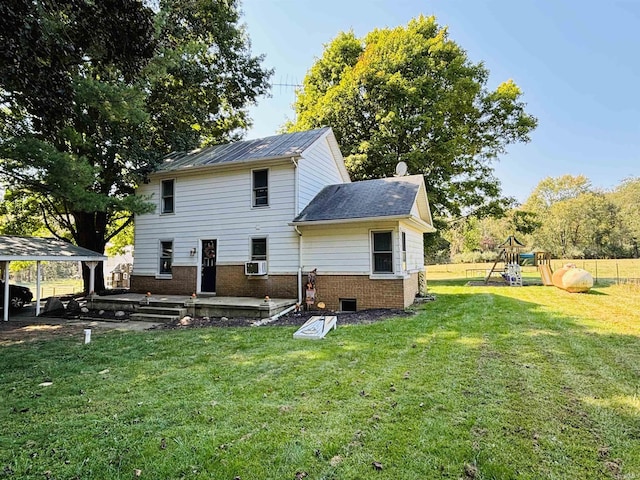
(231, 281)
(368, 293)
(183, 282)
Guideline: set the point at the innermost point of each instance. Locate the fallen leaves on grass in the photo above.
(377, 466)
(470, 471)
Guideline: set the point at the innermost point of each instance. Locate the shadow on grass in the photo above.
(478, 381)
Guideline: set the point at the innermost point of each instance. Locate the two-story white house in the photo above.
(251, 218)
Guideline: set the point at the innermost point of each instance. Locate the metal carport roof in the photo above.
(37, 249)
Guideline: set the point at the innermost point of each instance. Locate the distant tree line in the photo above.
(26, 272)
(565, 216)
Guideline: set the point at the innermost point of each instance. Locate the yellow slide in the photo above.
(545, 274)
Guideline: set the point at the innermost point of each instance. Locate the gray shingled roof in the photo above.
(13, 248)
(385, 197)
(276, 146)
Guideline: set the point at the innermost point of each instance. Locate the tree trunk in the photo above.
(91, 230)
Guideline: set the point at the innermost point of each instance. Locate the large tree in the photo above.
(93, 93)
(626, 197)
(411, 94)
(576, 220)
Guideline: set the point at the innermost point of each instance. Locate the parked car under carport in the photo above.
(18, 296)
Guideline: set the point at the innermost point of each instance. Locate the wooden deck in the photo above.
(204, 306)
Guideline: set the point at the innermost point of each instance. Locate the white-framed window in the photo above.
(404, 251)
(168, 196)
(382, 251)
(258, 248)
(260, 188)
(166, 257)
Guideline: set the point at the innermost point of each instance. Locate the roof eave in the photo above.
(52, 258)
(411, 218)
(197, 168)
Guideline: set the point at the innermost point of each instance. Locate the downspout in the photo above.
(297, 230)
(292, 307)
(296, 207)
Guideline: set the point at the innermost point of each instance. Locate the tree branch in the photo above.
(119, 229)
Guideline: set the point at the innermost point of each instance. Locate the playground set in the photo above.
(569, 277)
(513, 257)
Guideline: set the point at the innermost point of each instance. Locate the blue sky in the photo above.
(575, 61)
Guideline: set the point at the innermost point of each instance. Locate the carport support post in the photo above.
(92, 275)
(5, 311)
(38, 275)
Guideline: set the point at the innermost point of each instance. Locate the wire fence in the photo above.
(620, 271)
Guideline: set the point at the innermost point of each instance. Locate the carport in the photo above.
(38, 249)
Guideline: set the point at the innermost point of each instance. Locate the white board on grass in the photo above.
(316, 327)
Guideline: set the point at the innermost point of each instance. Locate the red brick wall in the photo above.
(368, 293)
(183, 282)
(231, 281)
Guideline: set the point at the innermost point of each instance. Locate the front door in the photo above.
(208, 280)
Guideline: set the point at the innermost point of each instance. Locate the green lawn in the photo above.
(485, 382)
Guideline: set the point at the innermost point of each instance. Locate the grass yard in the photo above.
(483, 383)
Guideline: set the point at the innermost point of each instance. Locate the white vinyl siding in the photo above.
(415, 249)
(347, 248)
(341, 248)
(316, 170)
(215, 205)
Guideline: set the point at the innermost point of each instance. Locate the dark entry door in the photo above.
(209, 252)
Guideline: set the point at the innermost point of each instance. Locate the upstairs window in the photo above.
(261, 188)
(167, 196)
(258, 249)
(382, 252)
(166, 257)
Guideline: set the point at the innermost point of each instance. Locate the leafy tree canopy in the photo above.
(94, 93)
(626, 197)
(411, 94)
(555, 189)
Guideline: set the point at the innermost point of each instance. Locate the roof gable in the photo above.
(397, 197)
(273, 147)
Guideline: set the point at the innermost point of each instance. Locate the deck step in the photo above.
(154, 317)
(176, 311)
(87, 318)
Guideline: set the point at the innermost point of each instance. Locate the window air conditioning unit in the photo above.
(258, 267)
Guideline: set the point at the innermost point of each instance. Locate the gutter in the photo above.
(410, 218)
